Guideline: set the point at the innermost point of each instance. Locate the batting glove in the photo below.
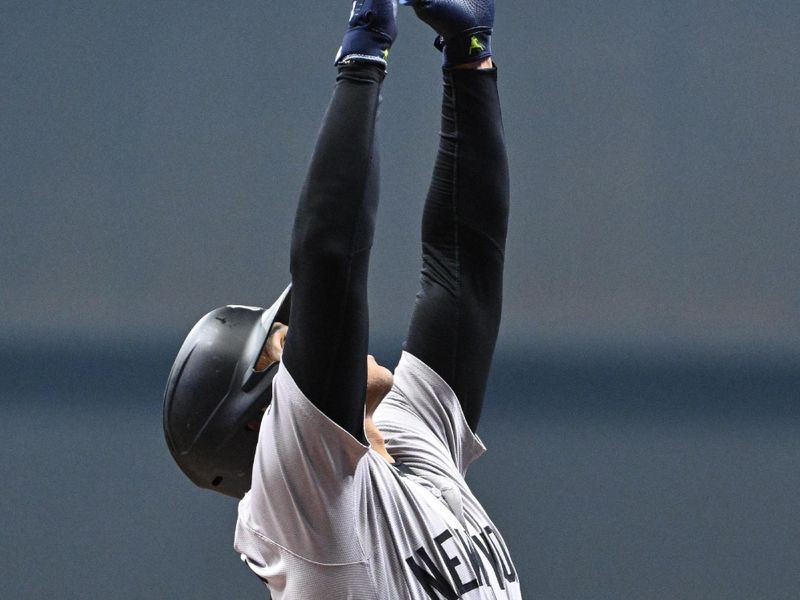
(373, 28)
(464, 27)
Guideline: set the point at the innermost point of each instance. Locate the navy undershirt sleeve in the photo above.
(326, 346)
(456, 317)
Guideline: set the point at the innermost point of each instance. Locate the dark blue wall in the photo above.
(613, 476)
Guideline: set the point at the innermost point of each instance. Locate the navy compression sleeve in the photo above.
(326, 345)
(457, 312)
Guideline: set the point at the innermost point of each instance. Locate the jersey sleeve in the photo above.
(423, 424)
(302, 496)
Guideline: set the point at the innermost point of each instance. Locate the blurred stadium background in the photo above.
(642, 418)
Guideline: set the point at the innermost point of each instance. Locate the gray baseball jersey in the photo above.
(329, 518)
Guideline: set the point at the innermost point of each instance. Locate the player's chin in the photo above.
(379, 383)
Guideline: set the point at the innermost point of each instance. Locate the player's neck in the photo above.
(375, 439)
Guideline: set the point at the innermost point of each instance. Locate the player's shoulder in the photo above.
(414, 375)
(421, 418)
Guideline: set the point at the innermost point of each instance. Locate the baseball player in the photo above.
(351, 477)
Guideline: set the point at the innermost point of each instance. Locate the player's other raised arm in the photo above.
(456, 317)
(326, 344)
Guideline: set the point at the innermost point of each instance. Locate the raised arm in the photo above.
(326, 344)
(456, 317)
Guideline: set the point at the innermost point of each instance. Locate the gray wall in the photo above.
(152, 153)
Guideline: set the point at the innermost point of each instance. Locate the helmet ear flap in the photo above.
(253, 377)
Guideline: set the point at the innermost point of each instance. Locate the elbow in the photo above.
(317, 247)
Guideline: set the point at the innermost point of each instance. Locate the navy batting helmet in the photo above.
(214, 391)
